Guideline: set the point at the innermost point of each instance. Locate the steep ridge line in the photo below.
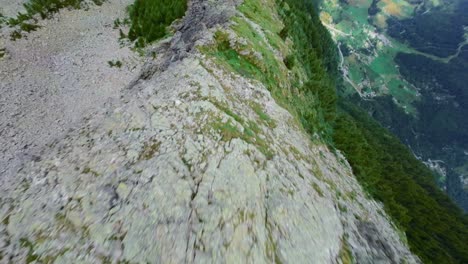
(200, 17)
(197, 164)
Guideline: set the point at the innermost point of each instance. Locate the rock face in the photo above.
(193, 164)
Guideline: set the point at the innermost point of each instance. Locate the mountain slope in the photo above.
(436, 228)
(197, 162)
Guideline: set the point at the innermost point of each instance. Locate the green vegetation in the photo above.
(31, 257)
(149, 149)
(115, 63)
(262, 115)
(314, 50)
(88, 170)
(310, 93)
(436, 31)
(345, 254)
(150, 19)
(15, 35)
(124, 22)
(412, 55)
(2, 20)
(317, 189)
(423, 72)
(251, 131)
(249, 134)
(437, 230)
(241, 64)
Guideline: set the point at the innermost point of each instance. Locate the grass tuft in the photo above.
(116, 63)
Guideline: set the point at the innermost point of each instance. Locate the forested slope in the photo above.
(437, 229)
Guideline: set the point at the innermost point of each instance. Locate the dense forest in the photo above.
(317, 53)
(445, 98)
(150, 19)
(436, 30)
(436, 229)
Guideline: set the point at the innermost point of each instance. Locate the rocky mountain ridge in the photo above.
(193, 163)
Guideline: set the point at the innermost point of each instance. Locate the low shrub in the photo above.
(150, 19)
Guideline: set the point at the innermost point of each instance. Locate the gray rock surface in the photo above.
(53, 77)
(10, 8)
(193, 164)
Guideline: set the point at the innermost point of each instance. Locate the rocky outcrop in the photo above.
(193, 164)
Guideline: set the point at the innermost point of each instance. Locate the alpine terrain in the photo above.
(201, 131)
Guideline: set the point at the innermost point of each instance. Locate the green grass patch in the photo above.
(229, 131)
(228, 111)
(317, 189)
(261, 12)
(115, 63)
(262, 115)
(30, 257)
(150, 19)
(149, 150)
(250, 134)
(272, 72)
(15, 35)
(231, 58)
(45, 8)
(2, 20)
(383, 64)
(359, 14)
(345, 254)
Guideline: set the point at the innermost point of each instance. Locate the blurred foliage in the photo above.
(150, 19)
